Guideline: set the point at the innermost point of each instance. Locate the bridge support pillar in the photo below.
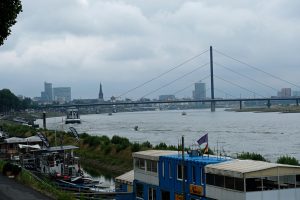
(44, 120)
(212, 106)
(241, 105)
(213, 103)
(269, 103)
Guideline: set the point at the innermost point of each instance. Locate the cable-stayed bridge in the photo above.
(257, 97)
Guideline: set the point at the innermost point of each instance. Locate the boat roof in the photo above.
(251, 169)
(22, 140)
(153, 154)
(61, 148)
(126, 178)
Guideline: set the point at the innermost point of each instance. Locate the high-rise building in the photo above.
(46, 95)
(200, 91)
(100, 93)
(166, 97)
(285, 92)
(62, 94)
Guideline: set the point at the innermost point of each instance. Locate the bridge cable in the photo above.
(165, 85)
(160, 75)
(252, 79)
(186, 87)
(222, 91)
(239, 86)
(256, 68)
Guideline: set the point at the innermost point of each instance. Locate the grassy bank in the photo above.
(282, 109)
(99, 155)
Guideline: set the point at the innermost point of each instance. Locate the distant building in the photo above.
(285, 92)
(62, 94)
(46, 95)
(296, 93)
(100, 97)
(166, 97)
(200, 91)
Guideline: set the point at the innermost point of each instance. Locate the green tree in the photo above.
(251, 156)
(287, 160)
(8, 101)
(9, 9)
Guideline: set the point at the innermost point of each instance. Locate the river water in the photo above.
(270, 134)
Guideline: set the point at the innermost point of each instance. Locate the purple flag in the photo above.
(203, 139)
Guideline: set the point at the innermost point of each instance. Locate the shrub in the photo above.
(135, 147)
(161, 146)
(287, 160)
(106, 149)
(105, 140)
(147, 144)
(120, 140)
(14, 169)
(251, 156)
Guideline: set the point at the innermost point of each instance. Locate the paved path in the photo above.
(12, 190)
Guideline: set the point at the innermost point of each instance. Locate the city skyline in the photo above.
(71, 43)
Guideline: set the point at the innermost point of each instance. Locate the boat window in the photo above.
(193, 174)
(298, 181)
(219, 180)
(140, 163)
(152, 194)
(239, 184)
(179, 172)
(270, 183)
(229, 182)
(287, 181)
(154, 166)
(163, 168)
(151, 165)
(170, 170)
(139, 190)
(210, 179)
(253, 184)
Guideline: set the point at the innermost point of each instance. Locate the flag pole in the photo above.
(182, 169)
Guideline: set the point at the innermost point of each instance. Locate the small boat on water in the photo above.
(183, 113)
(72, 116)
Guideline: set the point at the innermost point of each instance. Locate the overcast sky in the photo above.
(80, 43)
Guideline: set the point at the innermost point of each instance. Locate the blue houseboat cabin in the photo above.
(157, 175)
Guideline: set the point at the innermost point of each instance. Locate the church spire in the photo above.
(100, 92)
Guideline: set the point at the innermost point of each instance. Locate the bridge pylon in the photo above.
(212, 103)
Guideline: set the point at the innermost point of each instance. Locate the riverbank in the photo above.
(281, 109)
(99, 155)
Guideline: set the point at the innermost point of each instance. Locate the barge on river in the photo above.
(72, 116)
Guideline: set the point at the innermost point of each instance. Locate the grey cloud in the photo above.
(80, 43)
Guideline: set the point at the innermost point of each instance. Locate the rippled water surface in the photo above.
(271, 134)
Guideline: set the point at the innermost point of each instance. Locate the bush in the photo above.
(251, 156)
(105, 140)
(161, 146)
(147, 144)
(120, 140)
(135, 147)
(106, 149)
(14, 169)
(287, 160)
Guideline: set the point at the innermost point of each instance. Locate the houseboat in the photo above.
(72, 116)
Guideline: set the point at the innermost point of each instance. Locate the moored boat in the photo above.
(72, 116)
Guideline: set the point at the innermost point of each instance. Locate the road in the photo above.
(12, 190)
